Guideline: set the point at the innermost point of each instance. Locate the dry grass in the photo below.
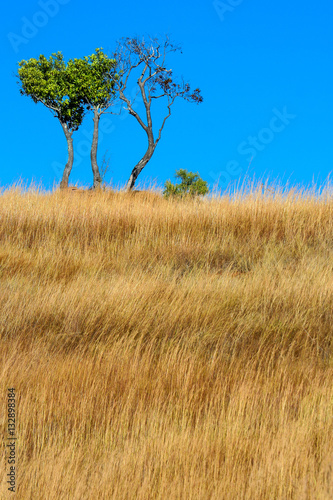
(164, 349)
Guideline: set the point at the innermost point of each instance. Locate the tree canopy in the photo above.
(94, 78)
(51, 82)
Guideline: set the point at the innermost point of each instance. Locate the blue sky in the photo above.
(264, 68)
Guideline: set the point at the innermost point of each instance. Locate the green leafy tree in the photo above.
(94, 78)
(191, 185)
(50, 81)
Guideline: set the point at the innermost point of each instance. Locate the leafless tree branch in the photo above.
(155, 82)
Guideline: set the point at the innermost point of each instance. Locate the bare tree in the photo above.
(155, 82)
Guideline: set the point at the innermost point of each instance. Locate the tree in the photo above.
(50, 82)
(191, 185)
(94, 77)
(155, 82)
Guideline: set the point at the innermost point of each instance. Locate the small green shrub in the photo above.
(191, 185)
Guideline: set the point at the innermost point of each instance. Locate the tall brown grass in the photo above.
(168, 349)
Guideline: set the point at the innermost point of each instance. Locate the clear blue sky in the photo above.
(264, 68)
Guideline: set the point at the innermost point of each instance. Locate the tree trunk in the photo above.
(139, 167)
(69, 164)
(93, 152)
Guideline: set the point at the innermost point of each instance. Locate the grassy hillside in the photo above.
(168, 350)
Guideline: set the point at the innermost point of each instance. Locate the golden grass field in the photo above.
(166, 349)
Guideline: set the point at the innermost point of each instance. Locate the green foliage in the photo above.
(94, 78)
(50, 81)
(67, 89)
(191, 185)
